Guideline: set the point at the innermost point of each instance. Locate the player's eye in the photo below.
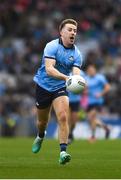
(75, 31)
(69, 30)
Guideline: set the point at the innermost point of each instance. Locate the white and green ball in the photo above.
(75, 84)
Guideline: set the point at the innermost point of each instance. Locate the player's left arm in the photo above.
(106, 86)
(106, 89)
(76, 71)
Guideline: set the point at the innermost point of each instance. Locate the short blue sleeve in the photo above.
(103, 79)
(50, 50)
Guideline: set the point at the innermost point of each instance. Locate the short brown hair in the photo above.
(67, 21)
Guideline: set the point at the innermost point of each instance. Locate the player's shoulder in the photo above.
(100, 76)
(51, 46)
(77, 51)
(54, 42)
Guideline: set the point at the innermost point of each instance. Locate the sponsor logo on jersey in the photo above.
(71, 58)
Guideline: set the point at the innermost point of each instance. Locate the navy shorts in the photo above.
(44, 98)
(98, 107)
(74, 106)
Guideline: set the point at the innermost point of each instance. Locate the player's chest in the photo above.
(65, 57)
(92, 83)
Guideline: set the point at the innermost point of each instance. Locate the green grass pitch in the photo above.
(100, 160)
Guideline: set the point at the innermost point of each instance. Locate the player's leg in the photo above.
(103, 126)
(43, 104)
(72, 123)
(61, 107)
(42, 120)
(91, 116)
(94, 122)
(73, 119)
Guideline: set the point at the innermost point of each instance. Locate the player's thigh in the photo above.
(61, 106)
(43, 114)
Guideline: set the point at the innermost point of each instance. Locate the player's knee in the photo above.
(63, 116)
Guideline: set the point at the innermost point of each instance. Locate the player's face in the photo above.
(68, 34)
(91, 70)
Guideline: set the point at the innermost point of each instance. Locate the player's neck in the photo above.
(68, 46)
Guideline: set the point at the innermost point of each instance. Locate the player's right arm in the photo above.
(50, 61)
(52, 71)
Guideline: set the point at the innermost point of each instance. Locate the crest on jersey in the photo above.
(71, 58)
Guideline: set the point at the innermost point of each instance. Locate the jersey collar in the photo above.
(61, 42)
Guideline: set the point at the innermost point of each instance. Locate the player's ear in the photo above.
(61, 32)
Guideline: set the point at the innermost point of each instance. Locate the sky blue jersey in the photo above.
(65, 58)
(95, 85)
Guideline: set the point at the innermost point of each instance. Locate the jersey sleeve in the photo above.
(50, 50)
(78, 60)
(103, 80)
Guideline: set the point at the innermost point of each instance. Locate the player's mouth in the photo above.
(72, 38)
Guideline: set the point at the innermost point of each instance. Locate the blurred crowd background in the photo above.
(27, 25)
